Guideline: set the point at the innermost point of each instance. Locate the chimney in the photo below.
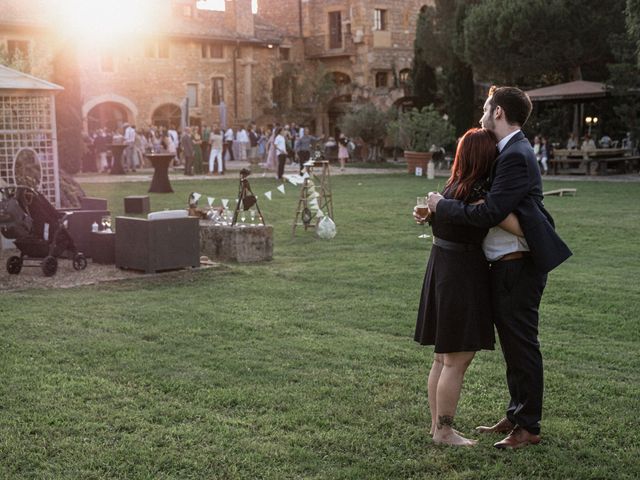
(238, 16)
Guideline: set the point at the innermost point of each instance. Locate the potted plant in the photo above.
(369, 124)
(420, 133)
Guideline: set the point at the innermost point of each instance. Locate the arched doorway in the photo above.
(109, 115)
(167, 115)
(338, 107)
(27, 169)
(404, 104)
(340, 78)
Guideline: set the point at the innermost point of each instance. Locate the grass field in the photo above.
(305, 367)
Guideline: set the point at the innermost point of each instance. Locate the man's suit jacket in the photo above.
(516, 186)
(186, 142)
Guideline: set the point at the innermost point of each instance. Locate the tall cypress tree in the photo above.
(68, 108)
(440, 44)
(423, 75)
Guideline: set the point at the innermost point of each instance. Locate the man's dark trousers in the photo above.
(517, 289)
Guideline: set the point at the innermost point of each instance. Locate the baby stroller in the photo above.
(39, 231)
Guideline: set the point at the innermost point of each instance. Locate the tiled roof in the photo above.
(569, 90)
(207, 25)
(13, 80)
(266, 31)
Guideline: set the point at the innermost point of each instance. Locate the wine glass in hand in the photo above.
(422, 210)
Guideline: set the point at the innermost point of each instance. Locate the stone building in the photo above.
(224, 62)
(366, 45)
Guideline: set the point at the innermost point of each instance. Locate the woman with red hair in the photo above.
(455, 306)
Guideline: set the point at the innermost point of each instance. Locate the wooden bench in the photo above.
(559, 165)
(593, 165)
(561, 192)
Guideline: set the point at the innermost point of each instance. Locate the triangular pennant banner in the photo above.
(225, 202)
(281, 188)
(268, 194)
(210, 200)
(294, 179)
(196, 196)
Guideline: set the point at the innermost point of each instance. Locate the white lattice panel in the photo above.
(28, 122)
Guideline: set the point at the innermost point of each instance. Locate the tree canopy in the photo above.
(633, 24)
(524, 42)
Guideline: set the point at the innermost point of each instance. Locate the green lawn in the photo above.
(305, 367)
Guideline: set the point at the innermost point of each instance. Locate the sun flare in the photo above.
(104, 21)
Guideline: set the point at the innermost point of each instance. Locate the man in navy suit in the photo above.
(519, 265)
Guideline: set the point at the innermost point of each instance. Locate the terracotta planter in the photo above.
(417, 159)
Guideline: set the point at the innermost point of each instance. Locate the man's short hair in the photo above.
(515, 103)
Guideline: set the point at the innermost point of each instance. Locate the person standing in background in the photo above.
(242, 139)
(216, 139)
(173, 135)
(197, 150)
(187, 150)
(228, 145)
(206, 146)
(280, 145)
(129, 152)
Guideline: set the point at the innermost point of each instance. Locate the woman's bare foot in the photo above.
(433, 429)
(454, 438)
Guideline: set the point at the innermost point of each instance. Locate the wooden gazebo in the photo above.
(28, 132)
(576, 93)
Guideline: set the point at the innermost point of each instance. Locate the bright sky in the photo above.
(111, 22)
(219, 5)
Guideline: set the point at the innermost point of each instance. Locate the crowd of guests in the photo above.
(544, 149)
(207, 150)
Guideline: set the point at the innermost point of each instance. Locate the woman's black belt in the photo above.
(458, 247)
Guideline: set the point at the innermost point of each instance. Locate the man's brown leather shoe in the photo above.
(503, 426)
(518, 438)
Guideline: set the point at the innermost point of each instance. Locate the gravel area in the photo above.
(67, 277)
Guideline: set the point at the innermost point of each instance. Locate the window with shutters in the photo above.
(335, 30)
(379, 19)
(192, 94)
(382, 79)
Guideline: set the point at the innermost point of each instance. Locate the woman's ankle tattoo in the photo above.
(445, 421)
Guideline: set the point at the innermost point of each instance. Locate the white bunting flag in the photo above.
(294, 179)
(225, 202)
(196, 196)
(210, 200)
(281, 188)
(320, 214)
(268, 194)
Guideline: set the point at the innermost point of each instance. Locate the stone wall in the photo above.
(151, 82)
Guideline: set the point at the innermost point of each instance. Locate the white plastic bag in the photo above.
(326, 228)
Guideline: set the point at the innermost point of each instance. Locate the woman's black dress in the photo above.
(455, 305)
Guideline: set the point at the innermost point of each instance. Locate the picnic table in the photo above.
(599, 161)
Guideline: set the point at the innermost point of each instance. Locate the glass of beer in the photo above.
(423, 210)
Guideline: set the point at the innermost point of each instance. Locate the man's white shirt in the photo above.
(499, 242)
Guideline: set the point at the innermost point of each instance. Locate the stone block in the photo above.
(93, 203)
(137, 204)
(103, 247)
(247, 244)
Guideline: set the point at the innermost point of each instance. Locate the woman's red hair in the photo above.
(475, 155)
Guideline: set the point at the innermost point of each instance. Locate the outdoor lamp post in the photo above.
(591, 121)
